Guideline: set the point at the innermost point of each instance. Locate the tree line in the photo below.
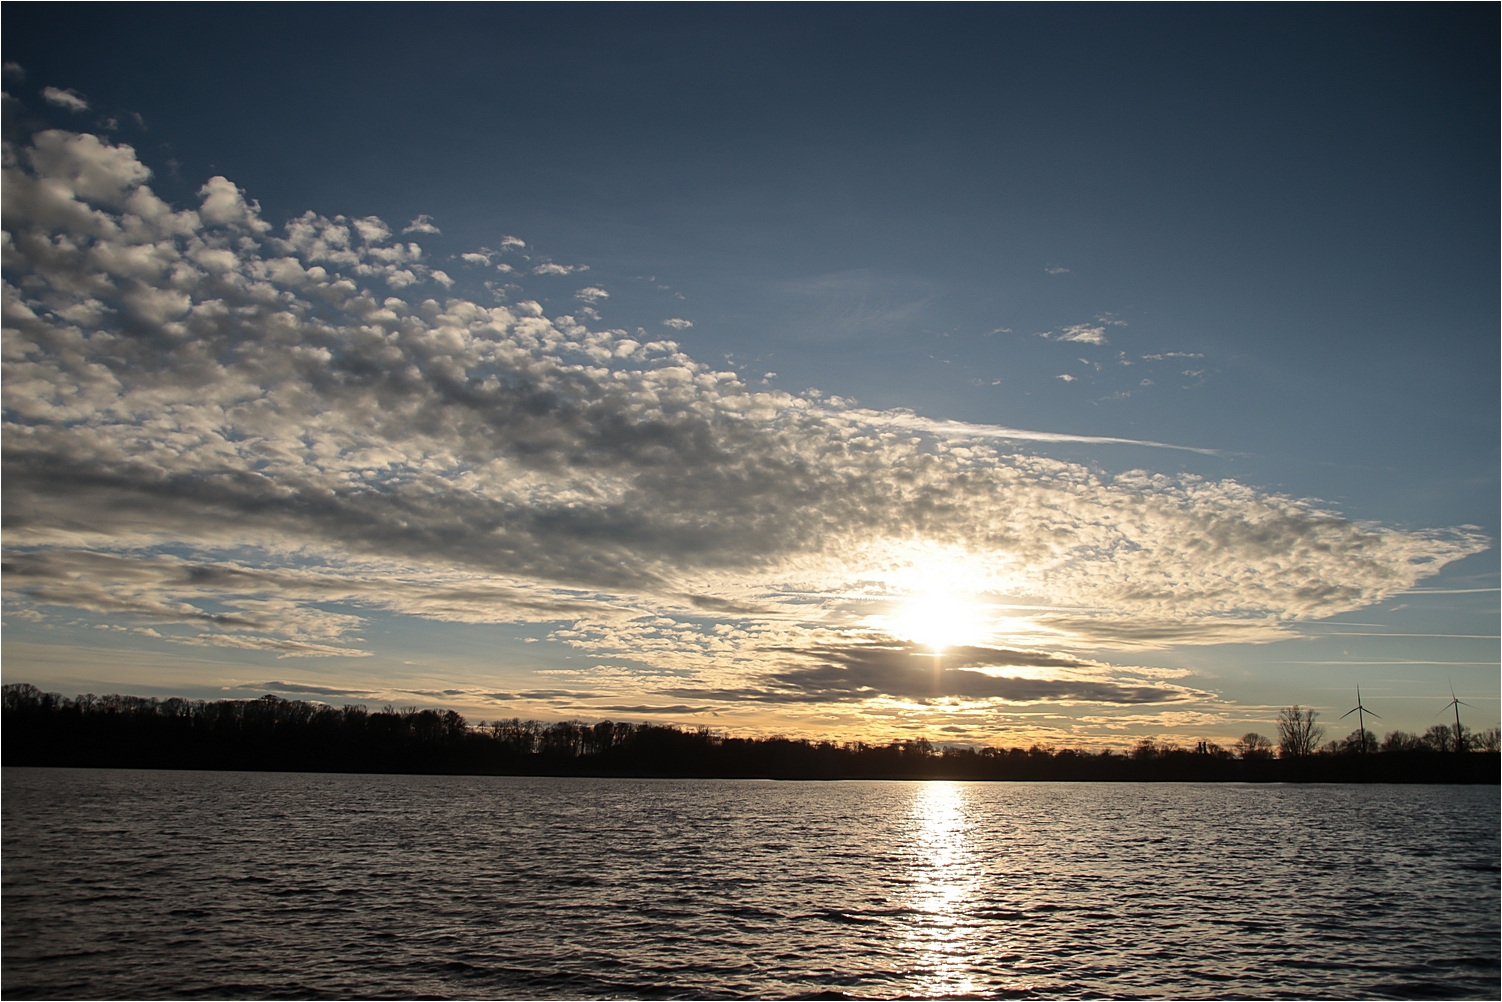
(271, 733)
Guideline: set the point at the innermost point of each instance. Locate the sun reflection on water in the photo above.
(945, 875)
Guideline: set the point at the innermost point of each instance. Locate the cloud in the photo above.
(283, 648)
(591, 294)
(325, 440)
(678, 323)
(549, 268)
(422, 224)
(1161, 720)
(302, 687)
(856, 303)
(69, 99)
(13, 71)
(1082, 334)
(962, 430)
(512, 242)
(224, 204)
(371, 229)
(1056, 270)
(1066, 377)
(863, 670)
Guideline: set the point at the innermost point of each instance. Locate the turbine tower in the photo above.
(1457, 703)
(1361, 713)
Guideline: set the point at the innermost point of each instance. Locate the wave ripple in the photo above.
(260, 885)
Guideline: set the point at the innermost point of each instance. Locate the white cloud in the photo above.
(510, 242)
(70, 99)
(82, 168)
(190, 381)
(1056, 270)
(13, 71)
(549, 268)
(591, 294)
(1083, 334)
(371, 229)
(1066, 377)
(224, 204)
(678, 323)
(475, 257)
(283, 648)
(422, 224)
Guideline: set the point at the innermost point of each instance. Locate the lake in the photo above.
(123, 883)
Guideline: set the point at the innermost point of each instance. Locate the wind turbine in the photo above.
(1361, 713)
(1457, 703)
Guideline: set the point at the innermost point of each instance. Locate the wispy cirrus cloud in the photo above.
(961, 430)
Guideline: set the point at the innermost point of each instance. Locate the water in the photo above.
(180, 884)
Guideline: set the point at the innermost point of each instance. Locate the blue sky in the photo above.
(779, 294)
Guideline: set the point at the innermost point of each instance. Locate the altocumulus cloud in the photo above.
(307, 412)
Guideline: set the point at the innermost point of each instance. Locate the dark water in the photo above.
(178, 884)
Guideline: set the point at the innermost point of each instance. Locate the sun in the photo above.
(940, 618)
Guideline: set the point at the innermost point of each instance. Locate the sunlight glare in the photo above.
(940, 618)
(946, 875)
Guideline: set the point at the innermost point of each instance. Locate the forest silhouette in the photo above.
(271, 733)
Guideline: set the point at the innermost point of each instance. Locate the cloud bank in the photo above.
(222, 426)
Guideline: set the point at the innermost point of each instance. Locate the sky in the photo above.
(1000, 375)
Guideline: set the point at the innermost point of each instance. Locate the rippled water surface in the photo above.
(182, 884)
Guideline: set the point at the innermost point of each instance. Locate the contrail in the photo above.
(963, 429)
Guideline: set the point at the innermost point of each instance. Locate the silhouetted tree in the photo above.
(1401, 741)
(1298, 734)
(1441, 738)
(1253, 745)
(274, 733)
